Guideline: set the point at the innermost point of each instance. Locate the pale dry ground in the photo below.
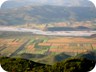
(54, 33)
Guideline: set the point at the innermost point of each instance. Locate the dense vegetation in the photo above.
(68, 65)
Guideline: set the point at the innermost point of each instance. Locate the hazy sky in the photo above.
(56, 2)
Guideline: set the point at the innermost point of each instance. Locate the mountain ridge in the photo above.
(45, 14)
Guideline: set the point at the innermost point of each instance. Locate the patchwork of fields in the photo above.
(46, 45)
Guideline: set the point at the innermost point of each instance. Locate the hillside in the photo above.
(68, 65)
(18, 64)
(46, 14)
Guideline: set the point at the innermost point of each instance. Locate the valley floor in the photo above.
(53, 33)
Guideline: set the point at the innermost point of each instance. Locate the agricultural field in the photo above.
(43, 45)
(9, 46)
(40, 48)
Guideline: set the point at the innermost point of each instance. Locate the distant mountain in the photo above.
(68, 3)
(45, 14)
